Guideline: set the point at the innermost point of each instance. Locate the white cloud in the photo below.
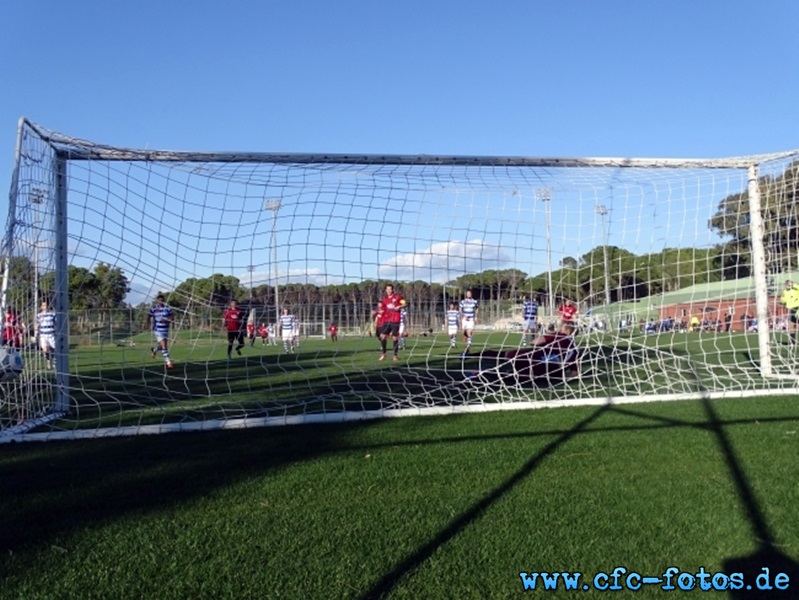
(444, 261)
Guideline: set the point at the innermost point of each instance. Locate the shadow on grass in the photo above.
(767, 561)
(387, 583)
(53, 490)
(49, 492)
(767, 556)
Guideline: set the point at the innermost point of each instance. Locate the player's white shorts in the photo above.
(161, 336)
(468, 324)
(452, 330)
(47, 342)
(401, 329)
(531, 324)
(288, 335)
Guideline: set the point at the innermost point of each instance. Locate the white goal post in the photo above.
(677, 268)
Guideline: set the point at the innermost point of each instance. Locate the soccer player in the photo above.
(378, 320)
(288, 330)
(568, 312)
(333, 331)
(272, 333)
(391, 304)
(403, 327)
(469, 307)
(45, 330)
(12, 329)
(233, 320)
(451, 321)
(790, 299)
(160, 320)
(552, 357)
(251, 332)
(263, 331)
(530, 316)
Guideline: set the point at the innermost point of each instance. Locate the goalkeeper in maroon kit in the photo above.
(552, 358)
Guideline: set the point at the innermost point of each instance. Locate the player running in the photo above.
(160, 320)
(452, 320)
(469, 307)
(403, 327)
(530, 316)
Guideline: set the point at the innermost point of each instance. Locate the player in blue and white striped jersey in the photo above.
(403, 328)
(530, 316)
(289, 329)
(45, 330)
(451, 321)
(469, 308)
(160, 320)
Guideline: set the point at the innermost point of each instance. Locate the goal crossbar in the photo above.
(77, 149)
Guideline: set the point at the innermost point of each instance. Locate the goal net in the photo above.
(676, 267)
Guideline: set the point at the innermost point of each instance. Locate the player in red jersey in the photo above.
(263, 331)
(333, 331)
(251, 332)
(12, 329)
(391, 305)
(234, 322)
(378, 319)
(568, 312)
(553, 357)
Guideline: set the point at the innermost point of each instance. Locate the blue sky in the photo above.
(523, 78)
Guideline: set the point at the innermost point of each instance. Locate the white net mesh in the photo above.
(655, 254)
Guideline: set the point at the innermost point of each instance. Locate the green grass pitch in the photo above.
(430, 507)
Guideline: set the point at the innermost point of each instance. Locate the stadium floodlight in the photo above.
(274, 204)
(545, 196)
(37, 198)
(602, 211)
(250, 269)
(176, 222)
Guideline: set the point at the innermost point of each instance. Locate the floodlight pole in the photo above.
(545, 195)
(36, 197)
(602, 211)
(274, 205)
